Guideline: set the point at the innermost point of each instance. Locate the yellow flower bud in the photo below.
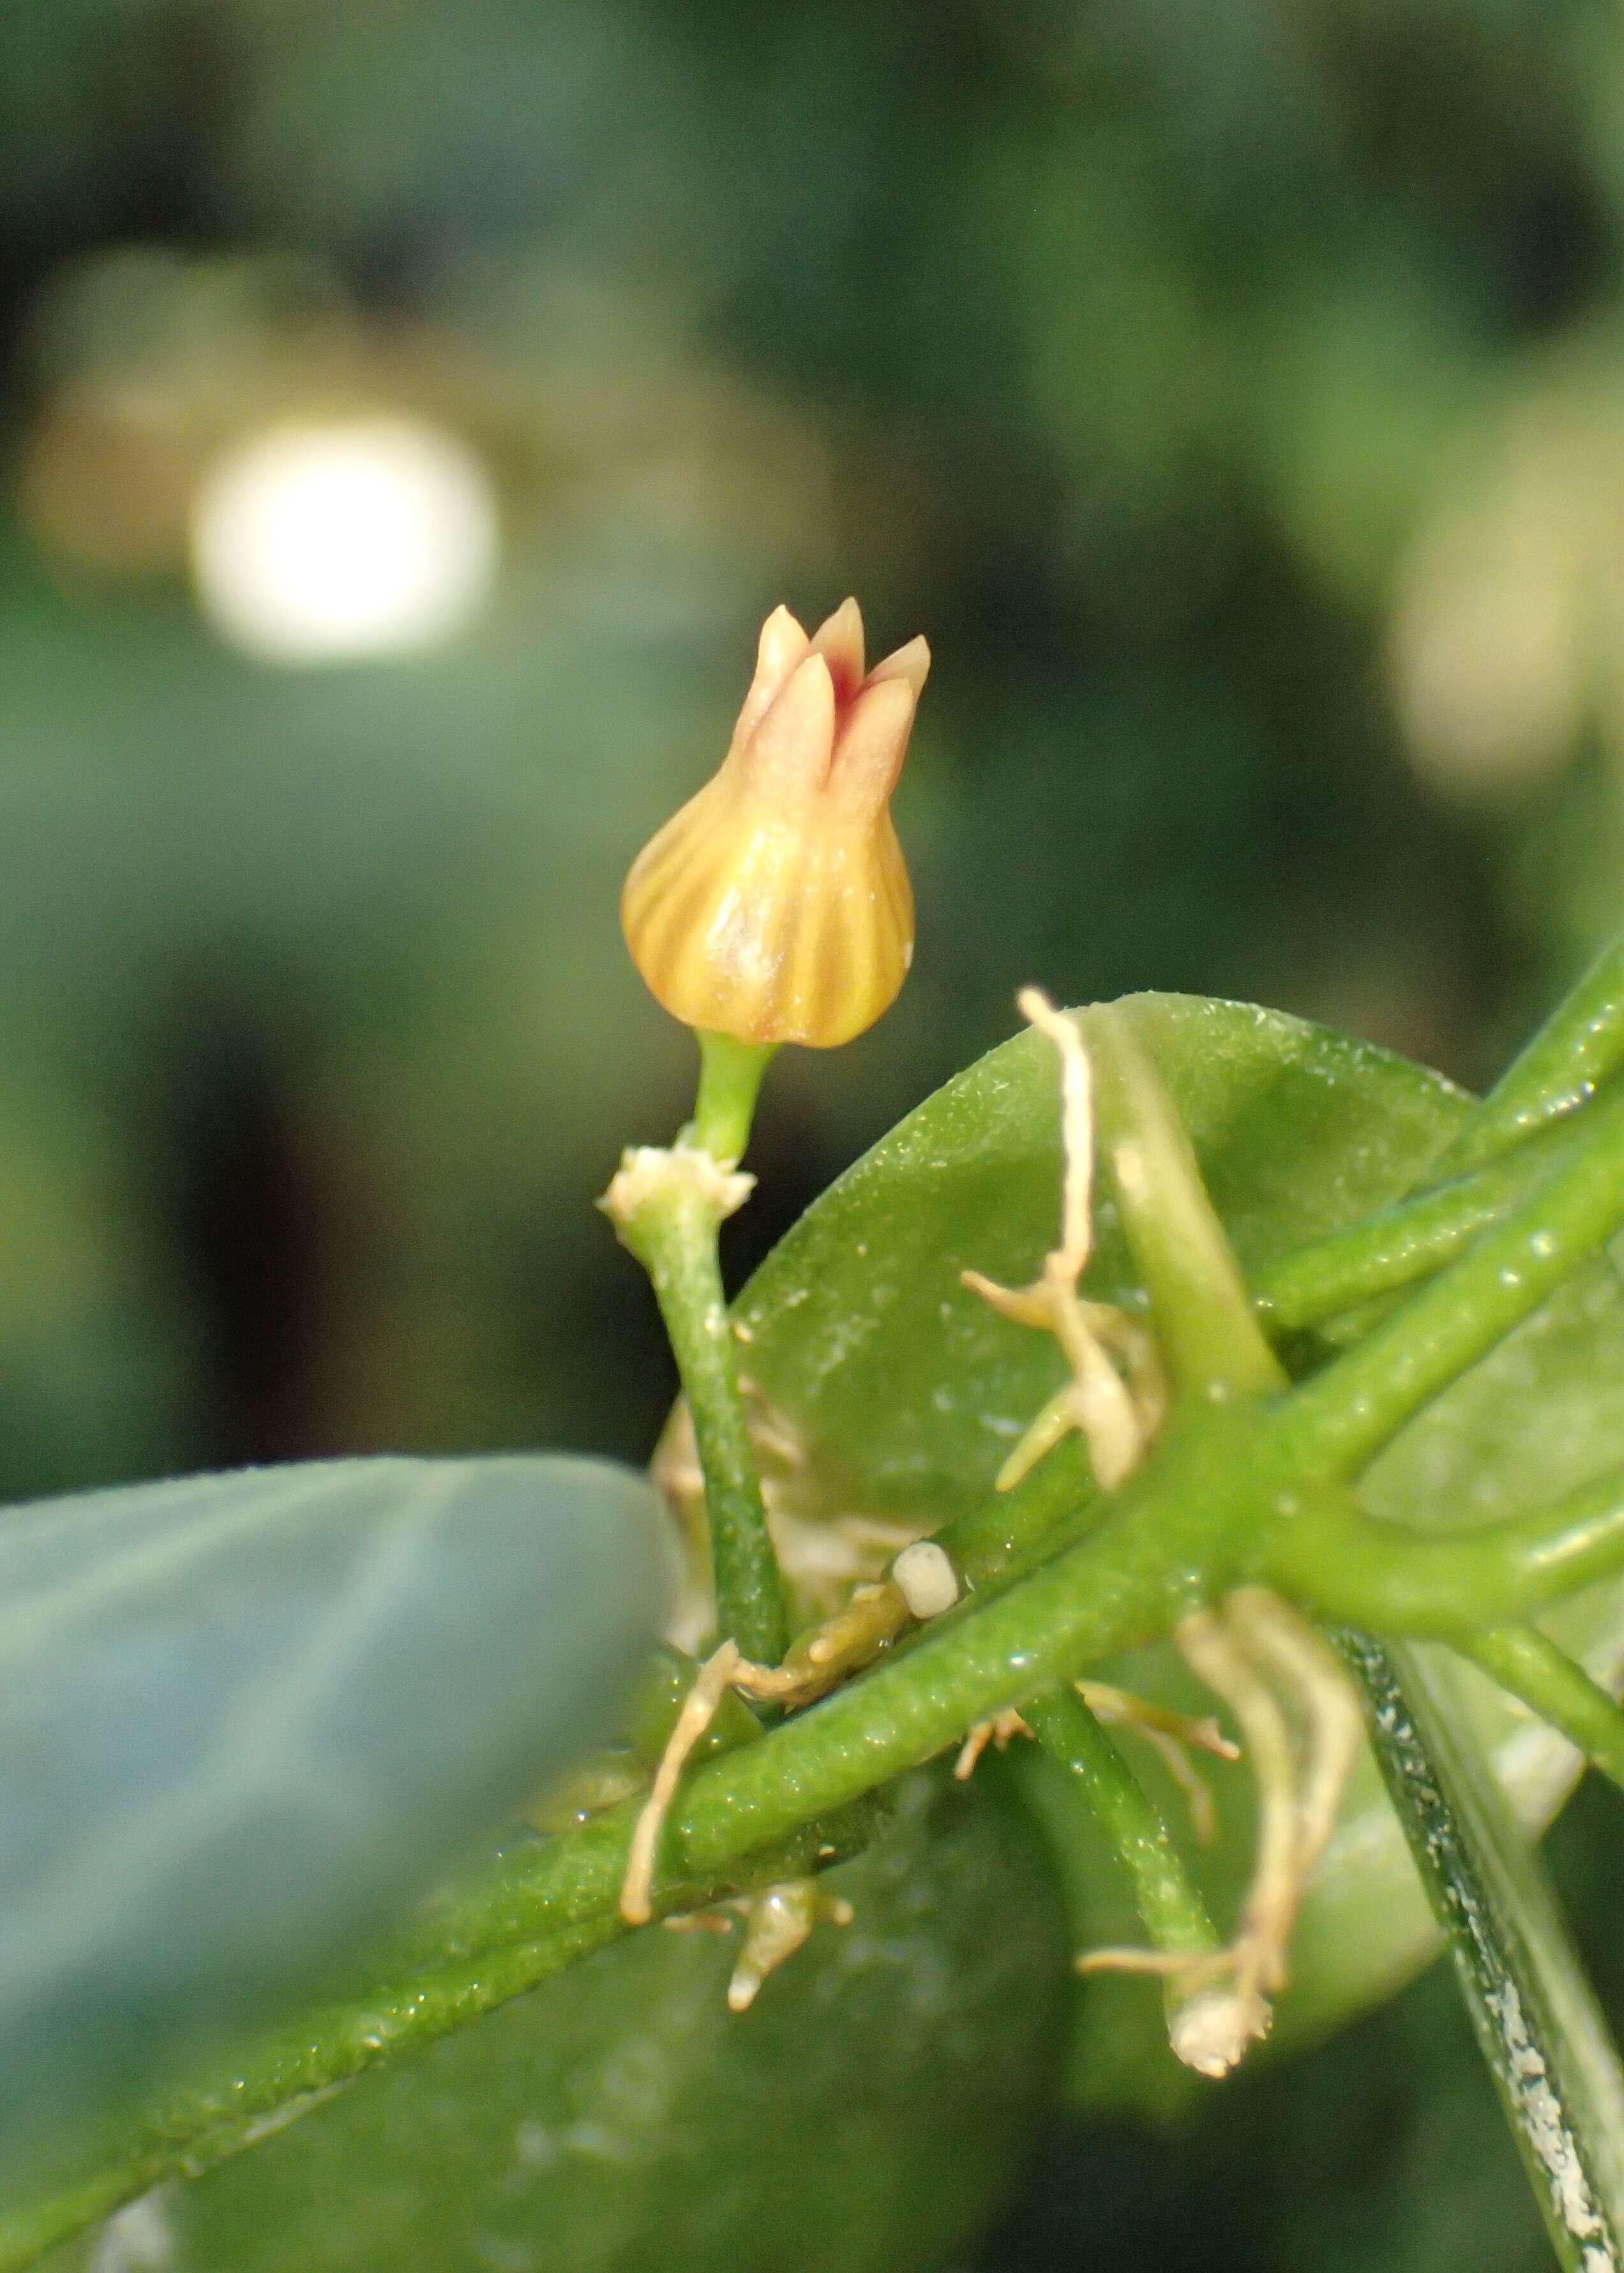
(775, 906)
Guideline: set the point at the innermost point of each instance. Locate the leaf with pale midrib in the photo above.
(247, 1720)
(860, 2118)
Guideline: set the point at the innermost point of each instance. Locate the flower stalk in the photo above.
(730, 1080)
(667, 1207)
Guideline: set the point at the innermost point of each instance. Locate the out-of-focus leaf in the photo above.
(1539, 2026)
(246, 1719)
(865, 2114)
(902, 1394)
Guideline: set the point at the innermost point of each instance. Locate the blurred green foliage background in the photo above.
(1233, 396)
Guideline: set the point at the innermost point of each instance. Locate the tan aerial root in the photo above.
(1117, 1411)
(780, 1918)
(1000, 1731)
(1252, 1640)
(778, 1922)
(1172, 1735)
(718, 1675)
(818, 1662)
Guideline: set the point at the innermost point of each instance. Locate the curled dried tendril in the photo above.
(1000, 1731)
(1115, 1396)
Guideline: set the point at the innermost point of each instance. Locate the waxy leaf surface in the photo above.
(246, 1720)
(867, 2111)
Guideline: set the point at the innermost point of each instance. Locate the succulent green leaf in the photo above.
(247, 1720)
(901, 1393)
(906, 1390)
(865, 2114)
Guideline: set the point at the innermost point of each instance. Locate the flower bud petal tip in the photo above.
(775, 905)
(789, 753)
(782, 647)
(839, 639)
(911, 662)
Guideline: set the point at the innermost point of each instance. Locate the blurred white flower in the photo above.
(1506, 637)
(317, 542)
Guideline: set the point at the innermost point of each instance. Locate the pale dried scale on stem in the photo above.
(655, 1173)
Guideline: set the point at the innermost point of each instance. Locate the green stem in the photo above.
(1386, 1253)
(1579, 1046)
(991, 1545)
(1174, 1915)
(1521, 1128)
(668, 1208)
(671, 1226)
(572, 1875)
(1536, 2018)
(1205, 1325)
(1364, 1571)
(1528, 1664)
(1167, 1544)
(1545, 2043)
(730, 1079)
(1341, 1418)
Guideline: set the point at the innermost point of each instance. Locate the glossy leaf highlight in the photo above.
(245, 1719)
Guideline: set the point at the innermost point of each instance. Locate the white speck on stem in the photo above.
(928, 1582)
